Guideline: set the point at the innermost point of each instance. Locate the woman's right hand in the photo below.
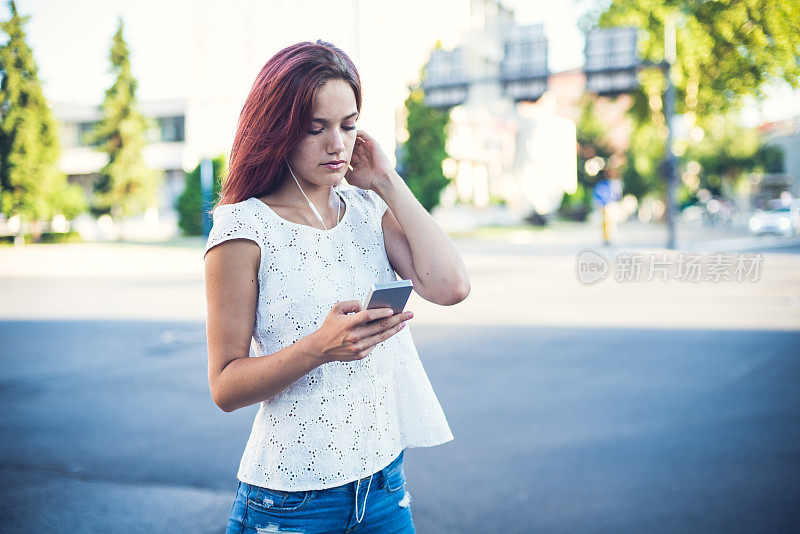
(345, 338)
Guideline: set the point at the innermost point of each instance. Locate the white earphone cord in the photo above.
(314, 209)
(372, 380)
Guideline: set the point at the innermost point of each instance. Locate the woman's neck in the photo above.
(289, 194)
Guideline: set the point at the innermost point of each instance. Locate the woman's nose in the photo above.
(336, 143)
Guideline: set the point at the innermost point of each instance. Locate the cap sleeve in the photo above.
(374, 202)
(232, 221)
(381, 205)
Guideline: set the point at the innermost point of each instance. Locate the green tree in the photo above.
(189, 203)
(31, 185)
(125, 185)
(593, 147)
(726, 51)
(641, 175)
(424, 151)
(769, 159)
(728, 152)
(592, 140)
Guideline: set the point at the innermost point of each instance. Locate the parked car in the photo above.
(781, 221)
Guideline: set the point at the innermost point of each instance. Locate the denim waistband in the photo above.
(379, 476)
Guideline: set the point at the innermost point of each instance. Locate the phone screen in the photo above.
(392, 295)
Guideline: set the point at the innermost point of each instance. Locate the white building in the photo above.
(170, 149)
(497, 150)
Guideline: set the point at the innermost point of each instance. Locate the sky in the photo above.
(210, 52)
(214, 49)
(71, 39)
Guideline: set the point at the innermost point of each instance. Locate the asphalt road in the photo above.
(603, 409)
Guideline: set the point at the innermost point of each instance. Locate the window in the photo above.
(170, 129)
(85, 132)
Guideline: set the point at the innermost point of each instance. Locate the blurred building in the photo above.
(786, 135)
(496, 152)
(512, 134)
(174, 142)
(767, 190)
(166, 148)
(566, 93)
(611, 61)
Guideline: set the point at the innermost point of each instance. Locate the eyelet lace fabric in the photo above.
(315, 434)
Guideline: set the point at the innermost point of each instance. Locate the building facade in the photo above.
(498, 153)
(165, 151)
(177, 139)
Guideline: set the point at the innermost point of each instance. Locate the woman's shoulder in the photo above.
(233, 221)
(367, 199)
(243, 208)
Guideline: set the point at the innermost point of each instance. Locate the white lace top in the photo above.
(325, 430)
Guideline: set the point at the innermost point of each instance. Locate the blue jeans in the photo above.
(330, 510)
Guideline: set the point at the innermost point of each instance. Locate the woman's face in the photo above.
(324, 153)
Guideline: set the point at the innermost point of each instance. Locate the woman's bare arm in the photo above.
(417, 246)
(235, 379)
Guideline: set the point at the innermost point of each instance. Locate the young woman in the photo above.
(289, 260)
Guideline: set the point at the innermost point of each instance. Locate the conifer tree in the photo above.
(125, 186)
(31, 184)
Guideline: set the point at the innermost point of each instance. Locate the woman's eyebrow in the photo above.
(325, 121)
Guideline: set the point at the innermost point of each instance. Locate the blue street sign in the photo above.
(206, 192)
(605, 192)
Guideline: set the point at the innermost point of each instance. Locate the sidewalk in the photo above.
(558, 238)
(569, 237)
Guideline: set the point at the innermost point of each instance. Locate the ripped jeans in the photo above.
(331, 510)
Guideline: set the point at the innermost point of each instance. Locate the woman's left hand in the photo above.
(369, 161)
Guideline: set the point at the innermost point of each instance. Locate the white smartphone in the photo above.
(392, 295)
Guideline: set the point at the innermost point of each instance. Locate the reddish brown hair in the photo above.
(277, 115)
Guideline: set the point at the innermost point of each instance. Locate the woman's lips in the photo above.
(334, 166)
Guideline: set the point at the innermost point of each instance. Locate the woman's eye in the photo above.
(347, 128)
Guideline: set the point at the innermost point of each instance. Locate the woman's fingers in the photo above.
(383, 335)
(363, 135)
(364, 338)
(375, 327)
(366, 316)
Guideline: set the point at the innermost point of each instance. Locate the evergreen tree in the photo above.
(189, 203)
(424, 151)
(31, 184)
(125, 185)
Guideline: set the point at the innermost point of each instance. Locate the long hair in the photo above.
(277, 115)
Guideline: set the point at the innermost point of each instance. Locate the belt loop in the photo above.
(382, 478)
(384, 472)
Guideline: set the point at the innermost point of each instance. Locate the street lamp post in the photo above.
(670, 162)
(611, 67)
